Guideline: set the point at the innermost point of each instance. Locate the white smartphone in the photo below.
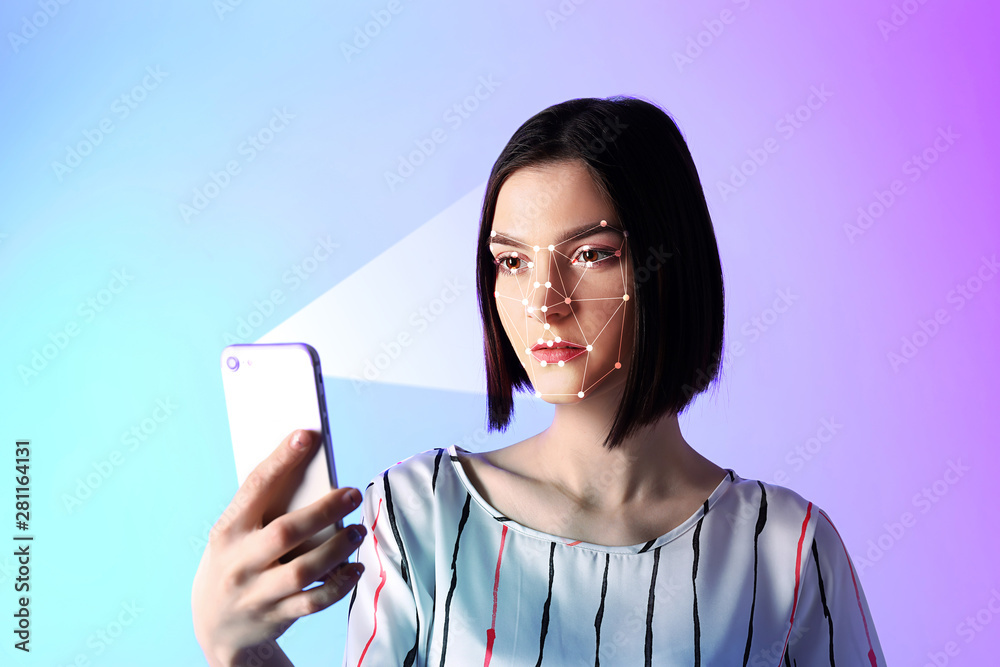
(271, 390)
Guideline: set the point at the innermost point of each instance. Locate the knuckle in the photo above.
(299, 575)
(280, 535)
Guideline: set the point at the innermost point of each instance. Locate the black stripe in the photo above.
(369, 485)
(732, 477)
(761, 520)
(404, 565)
(501, 518)
(548, 601)
(600, 611)
(454, 577)
(437, 464)
(649, 607)
(822, 596)
(350, 606)
(453, 457)
(694, 587)
(646, 546)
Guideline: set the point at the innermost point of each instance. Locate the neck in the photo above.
(653, 465)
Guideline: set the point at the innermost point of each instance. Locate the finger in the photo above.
(247, 508)
(311, 566)
(335, 586)
(292, 529)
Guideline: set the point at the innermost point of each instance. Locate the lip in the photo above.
(562, 343)
(563, 351)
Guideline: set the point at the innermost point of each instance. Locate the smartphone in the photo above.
(271, 390)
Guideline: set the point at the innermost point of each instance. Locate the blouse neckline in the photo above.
(667, 537)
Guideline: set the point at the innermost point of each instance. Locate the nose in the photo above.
(547, 298)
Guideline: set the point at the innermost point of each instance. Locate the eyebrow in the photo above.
(587, 230)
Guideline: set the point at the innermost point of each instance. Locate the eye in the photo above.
(509, 264)
(590, 257)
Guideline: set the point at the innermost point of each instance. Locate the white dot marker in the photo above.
(492, 234)
(536, 248)
(545, 308)
(546, 325)
(524, 302)
(543, 363)
(568, 299)
(551, 247)
(625, 297)
(531, 265)
(547, 284)
(514, 254)
(537, 284)
(558, 339)
(589, 264)
(617, 365)
(549, 343)
(541, 340)
(531, 309)
(562, 363)
(590, 348)
(580, 394)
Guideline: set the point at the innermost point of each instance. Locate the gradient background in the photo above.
(857, 297)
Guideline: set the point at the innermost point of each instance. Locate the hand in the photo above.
(243, 596)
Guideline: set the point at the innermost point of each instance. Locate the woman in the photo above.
(606, 538)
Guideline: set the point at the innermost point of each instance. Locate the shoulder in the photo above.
(779, 504)
(407, 494)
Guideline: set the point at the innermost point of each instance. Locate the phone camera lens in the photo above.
(233, 363)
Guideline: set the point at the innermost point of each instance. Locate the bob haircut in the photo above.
(641, 164)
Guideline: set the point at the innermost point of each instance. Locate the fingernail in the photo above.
(299, 440)
(356, 535)
(354, 498)
(358, 569)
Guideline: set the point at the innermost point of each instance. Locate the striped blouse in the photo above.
(757, 576)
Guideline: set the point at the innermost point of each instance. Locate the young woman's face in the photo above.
(564, 280)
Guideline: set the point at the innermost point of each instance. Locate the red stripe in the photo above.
(573, 544)
(798, 562)
(492, 633)
(381, 574)
(857, 595)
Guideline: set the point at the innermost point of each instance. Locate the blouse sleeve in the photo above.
(382, 618)
(832, 623)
